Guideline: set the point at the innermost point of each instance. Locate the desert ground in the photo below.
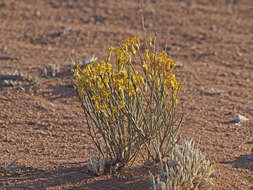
(42, 126)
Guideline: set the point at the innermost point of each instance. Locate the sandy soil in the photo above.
(42, 125)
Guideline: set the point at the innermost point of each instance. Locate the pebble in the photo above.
(179, 65)
(224, 74)
(49, 48)
(239, 119)
(37, 13)
(211, 92)
(242, 118)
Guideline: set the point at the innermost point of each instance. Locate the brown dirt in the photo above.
(44, 128)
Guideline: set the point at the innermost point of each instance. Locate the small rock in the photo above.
(186, 4)
(242, 118)
(239, 54)
(37, 13)
(238, 120)
(213, 27)
(50, 48)
(179, 65)
(224, 74)
(6, 150)
(211, 92)
(61, 31)
(21, 88)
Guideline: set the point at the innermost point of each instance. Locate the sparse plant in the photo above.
(129, 100)
(186, 169)
(35, 81)
(97, 165)
(51, 70)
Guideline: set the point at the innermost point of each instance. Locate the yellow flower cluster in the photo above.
(105, 84)
(102, 82)
(158, 68)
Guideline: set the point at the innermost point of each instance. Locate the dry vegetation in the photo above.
(43, 131)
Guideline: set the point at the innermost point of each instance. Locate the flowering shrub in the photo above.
(129, 101)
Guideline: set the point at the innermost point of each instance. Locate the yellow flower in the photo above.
(110, 54)
(97, 106)
(121, 105)
(121, 91)
(149, 42)
(145, 66)
(108, 67)
(133, 49)
(100, 84)
(95, 98)
(114, 110)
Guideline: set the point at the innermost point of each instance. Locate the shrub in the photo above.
(129, 100)
(186, 169)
